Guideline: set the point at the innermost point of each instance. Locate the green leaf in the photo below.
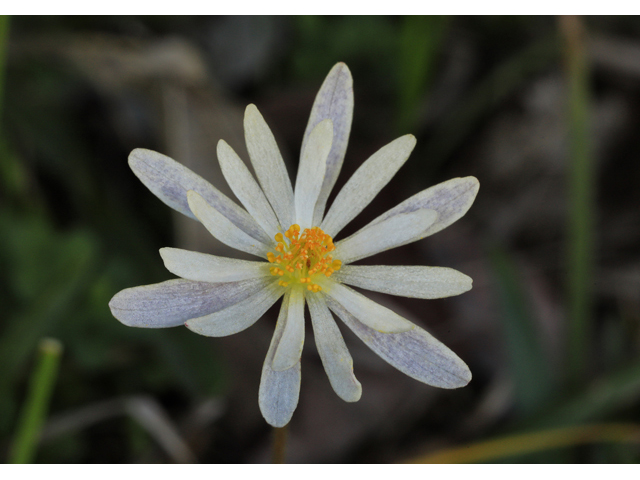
(534, 382)
(421, 39)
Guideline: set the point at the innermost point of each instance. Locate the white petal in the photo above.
(335, 101)
(415, 352)
(279, 391)
(414, 282)
(451, 199)
(202, 267)
(366, 183)
(333, 352)
(313, 165)
(367, 311)
(169, 181)
(374, 238)
(223, 229)
(245, 187)
(238, 317)
(290, 345)
(268, 165)
(171, 303)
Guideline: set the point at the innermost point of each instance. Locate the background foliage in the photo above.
(543, 111)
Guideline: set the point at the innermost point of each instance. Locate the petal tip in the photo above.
(326, 123)
(192, 198)
(118, 310)
(112, 304)
(165, 253)
(250, 110)
(465, 282)
(224, 151)
(192, 195)
(339, 68)
(465, 379)
(139, 155)
(137, 152)
(135, 158)
(354, 395)
(280, 364)
(474, 183)
(469, 283)
(409, 139)
(460, 378)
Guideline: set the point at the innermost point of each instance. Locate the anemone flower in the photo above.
(289, 230)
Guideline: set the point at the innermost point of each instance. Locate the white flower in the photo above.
(219, 296)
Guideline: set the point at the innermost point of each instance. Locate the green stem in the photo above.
(35, 408)
(4, 43)
(581, 198)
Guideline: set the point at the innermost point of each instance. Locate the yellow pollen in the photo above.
(303, 255)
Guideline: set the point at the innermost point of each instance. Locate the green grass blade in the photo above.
(34, 411)
(530, 369)
(527, 443)
(602, 397)
(4, 42)
(421, 39)
(581, 198)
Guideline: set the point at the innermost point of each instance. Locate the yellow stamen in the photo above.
(303, 255)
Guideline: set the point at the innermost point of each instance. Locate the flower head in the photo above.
(289, 231)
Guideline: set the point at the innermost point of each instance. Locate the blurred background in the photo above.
(543, 111)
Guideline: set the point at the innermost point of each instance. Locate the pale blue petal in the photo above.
(170, 181)
(172, 303)
(279, 390)
(333, 101)
(415, 352)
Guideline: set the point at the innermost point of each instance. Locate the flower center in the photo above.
(301, 257)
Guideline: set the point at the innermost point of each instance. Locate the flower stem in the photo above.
(34, 411)
(279, 444)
